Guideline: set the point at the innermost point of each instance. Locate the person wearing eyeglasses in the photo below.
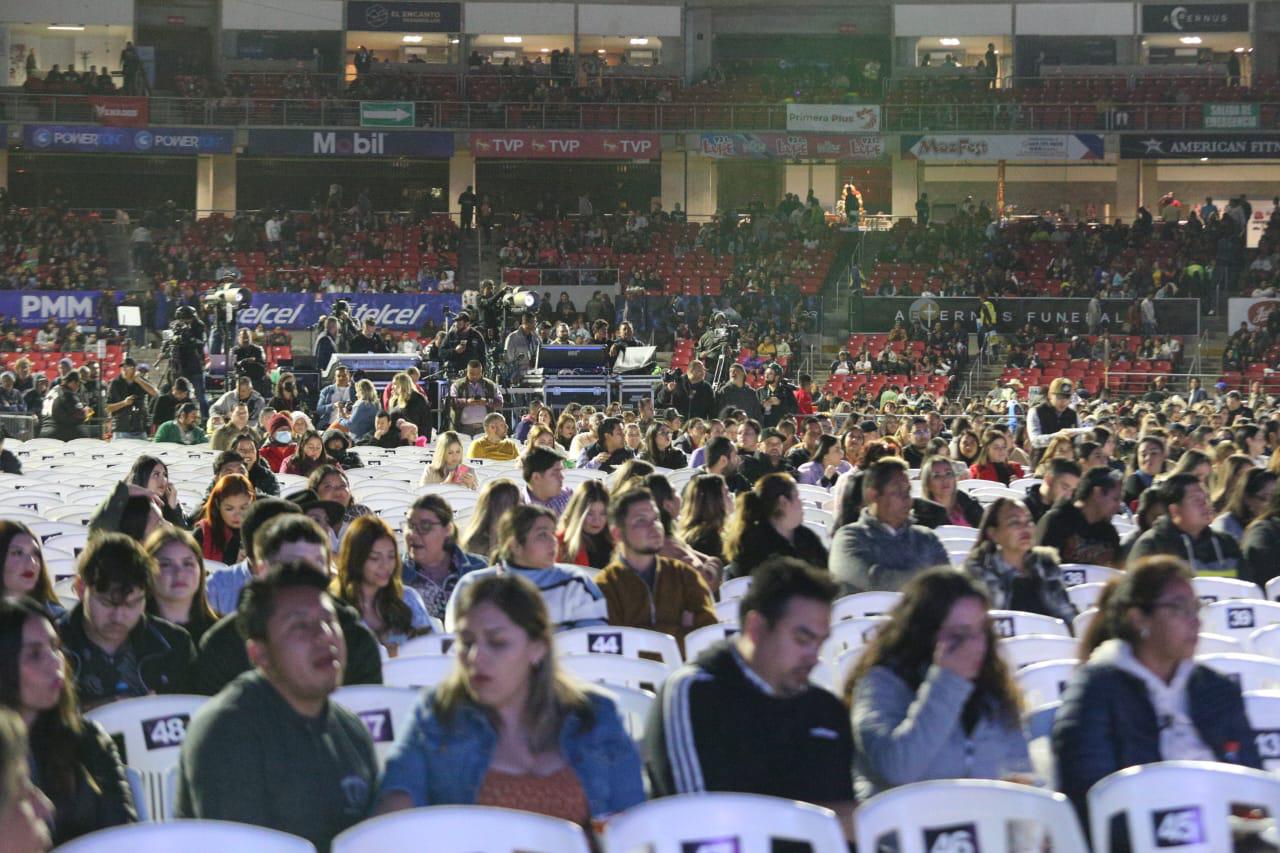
(433, 562)
(1016, 574)
(1140, 697)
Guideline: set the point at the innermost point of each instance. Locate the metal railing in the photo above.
(468, 115)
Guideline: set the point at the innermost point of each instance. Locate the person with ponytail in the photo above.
(769, 522)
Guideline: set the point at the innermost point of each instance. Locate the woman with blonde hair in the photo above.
(408, 403)
(360, 421)
(495, 499)
(542, 436)
(583, 529)
(446, 464)
(1059, 447)
(178, 594)
(369, 580)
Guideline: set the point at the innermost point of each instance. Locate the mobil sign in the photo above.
(553, 145)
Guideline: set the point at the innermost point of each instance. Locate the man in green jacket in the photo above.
(183, 429)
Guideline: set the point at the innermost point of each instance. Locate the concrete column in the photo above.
(4, 168)
(1127, 189)
(462, 173)
(825, 180)
(797, 178)
(671, 167)
(703, 196)
(906, 185)
(215, 184)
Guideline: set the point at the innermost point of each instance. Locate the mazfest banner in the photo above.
(119, 111)
(389, 310)
(1196, 18)
(787, 146)
(1252, 312)
(400, 17)
(92, 139)
(565, 145)
(990, 148)
(880, 313)
(834, 118)
(32, 308)
(1194, 146)
(352, 143)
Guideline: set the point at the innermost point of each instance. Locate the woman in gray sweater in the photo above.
(931, 698)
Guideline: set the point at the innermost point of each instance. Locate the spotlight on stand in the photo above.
(229, 294)
(520, 301)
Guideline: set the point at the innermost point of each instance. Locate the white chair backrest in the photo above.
(735, 588)
(1208, 644)
(416, 671)
(697, 640)
(189, 836)
(616, 669)
(1177, 804)
(1038, 721)
(1238, 618)
(626, 642)
(742, 823)
(427, 644)
(385, 711)
(1080, 624)
(148, 732)
(1074, 574)
(851, 634)
(968, 815)
(1044, 682)
(1265, 641)
(956, 531)
(1211, 589)
(1085, 595)
(864, 604)
(1036, 648)
(633, 707)
(728, 609)
(1262, 707)
(1273, 589)
(454, 829)
(1250, 672)
(1011, 623)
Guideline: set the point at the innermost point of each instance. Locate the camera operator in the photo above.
(777, 397)
(249, 359)
(489, 308)
(127, 401)
(463, 344)
(711, 344)
(185, 350)
(347, 329)
(521, 347)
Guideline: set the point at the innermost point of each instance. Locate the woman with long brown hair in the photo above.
(495, 499)
(25, 572)
(218, 531)
(369, 580)
(178, 594)
(583, 529)
(705, 511)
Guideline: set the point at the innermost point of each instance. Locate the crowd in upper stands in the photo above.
(50, 248)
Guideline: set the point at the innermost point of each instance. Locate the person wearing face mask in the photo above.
(337, 449)
(280, 444)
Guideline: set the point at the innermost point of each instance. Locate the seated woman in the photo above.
(1015, 574)
(330, 483)
(360, 422)
(481, 534)
(583, 529)
(506, 728)
(938, 484)
(668, 502)
(446, 464)
(993, 460)
(25, 812)
(1249, 499)
(705, 510)
(1140, 697)
(218, 531)
(73, 760)
(825, 465)
(25, 572)
(658, 450)
(308, 457)
(769, 522)
(260, 474)
(1061, 447)
(931, 697)
(153, 475)
(369, 580)
(178, 593)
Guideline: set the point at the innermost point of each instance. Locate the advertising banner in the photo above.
(787, 146)
(352, 143)
(1253, 312)
(388, 114)
(834, 118)
(401, 311)
(121, 111)
(1193, 146)
(879, 313)
(565, 145)
(32, 308)
(92, 139)
(1235, 116)
(947, 148)
(400, 17)
(1196, 18)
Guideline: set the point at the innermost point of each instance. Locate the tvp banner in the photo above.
(403, 311)
(991, 148)
(787, 146)
(880, 313)
(834, 118)
(121, 111)
(567, 145)
(33, 308)
(1252, 312)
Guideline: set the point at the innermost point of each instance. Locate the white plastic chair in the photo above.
(699, 639)
(1238, 618)
(615, 669)
(735, 588)
(1044, 682)
(1027, 649)
(1038, 721)
(189, 836)
(1265, 641)
(1085, 595)
(1080, 624)
(1074, 574)
(1011, 623)
(956, 531)
(1177, 804)
(427, 644)
(851, 634)
(1211, 589)
(1208, 644)
(461, 829)
(615, 640)
(742, 823)
(1262, 707)
(416, 671)
(385, 711)
(633, 707)
(966, 815)
(1273, 589)
(152, 729)
(728, 610)
(1250, 672)
(864, 604)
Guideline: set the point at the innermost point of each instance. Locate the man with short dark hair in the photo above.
(809, 440)
(244, 392)
(744, 716)
(735, 394)
(1060, 481)
(1081, 528)
(543, 471)
(463, 344)
(127, 401)
(117, 650)
(883, 550)
(67, 417)
(609, 449)
(767, 459)
(183, 429)
(1184, 532)
(914, 453)
(271, 749)
(166, 405)
(722, 458)
(473, 398)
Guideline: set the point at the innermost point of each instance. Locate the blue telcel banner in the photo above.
(389, 310)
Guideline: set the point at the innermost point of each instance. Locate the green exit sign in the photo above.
(387, 114)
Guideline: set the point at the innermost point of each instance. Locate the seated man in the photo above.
(271, 749)
(116, 650)
(1081, 528)
(1185, 532)
(609, 449)
(543, 472)
(744, 717)
(1060, 481)
(183, 429)
(494, 444)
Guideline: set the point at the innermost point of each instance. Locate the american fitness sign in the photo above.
(881, 313)
(1193, 146)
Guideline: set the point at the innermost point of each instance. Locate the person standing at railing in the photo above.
(467, 206)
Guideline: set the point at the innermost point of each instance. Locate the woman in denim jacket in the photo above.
(506, 728)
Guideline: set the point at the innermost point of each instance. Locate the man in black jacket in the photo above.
(68, 415)
(701, 397)
(166, 405)
(735, 394)
(777, 397)
(337, 446)
(117, 650)
(463, 344)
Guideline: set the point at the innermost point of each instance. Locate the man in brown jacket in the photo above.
(642, 589)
